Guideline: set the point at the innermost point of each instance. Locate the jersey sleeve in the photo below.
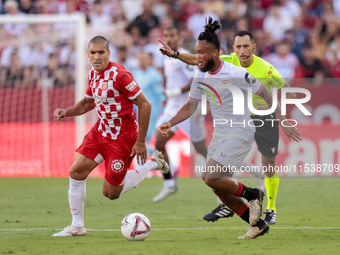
(88, 92)
(127, 85)
(195, 93)
(244, 80)
(274, 77)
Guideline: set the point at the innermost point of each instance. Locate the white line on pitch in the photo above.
(162, 229)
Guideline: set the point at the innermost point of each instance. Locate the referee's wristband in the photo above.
(172, 92)
(176, 54)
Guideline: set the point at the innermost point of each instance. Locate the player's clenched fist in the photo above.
(164, 129)
(59, 114)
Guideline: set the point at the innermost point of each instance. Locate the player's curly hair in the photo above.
(209, 32)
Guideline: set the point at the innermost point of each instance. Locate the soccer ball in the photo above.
(136, 227)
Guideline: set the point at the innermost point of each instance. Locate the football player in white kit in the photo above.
(178, 80)
(230, 143)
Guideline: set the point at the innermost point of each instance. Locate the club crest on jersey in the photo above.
(117, 165)
(250, 79)
(105, 85)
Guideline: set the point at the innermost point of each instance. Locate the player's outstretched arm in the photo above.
(187, 58)
(289, 130)
(185, 112)
(144, 111)
(83, 106)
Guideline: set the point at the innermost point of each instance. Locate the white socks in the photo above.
(135, 177)
(76, 199)
(77, 190)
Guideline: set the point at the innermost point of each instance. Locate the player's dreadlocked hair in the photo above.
(209, 32)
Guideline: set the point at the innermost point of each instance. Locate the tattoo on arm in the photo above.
(78, 109)
(83, 105)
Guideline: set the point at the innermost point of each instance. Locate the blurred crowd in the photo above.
(300, 38)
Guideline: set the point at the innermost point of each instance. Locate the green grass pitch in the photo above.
(31, 210)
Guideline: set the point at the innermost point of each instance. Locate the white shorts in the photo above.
(197, 131)
(230, 151)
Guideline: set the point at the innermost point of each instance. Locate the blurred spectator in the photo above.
(283, 60)
(15, 75)
(4, 39)
(146, 20)
(161, 8)
(26, 6)
(166, 21)
(197, 21)
(276, 24)
(132, 13)
(52, 6)
(256, 10)
(242, 24)
(41, 53)
(67, 57)
(187, 8)
(187, 42)
(153, 47)
(330, 23)
(333, 51)
(151, 82)
(82, 5)
(22, 50)
(237, 7)
(311, 66)
(218, 6)
(41, 7)
(290, 8)
(139, 42)
(67, 30)
(228, 21)
(129, 63)
(333, 58)
(230, 41)
(299, 35)
(263, 46)
(12, 9)
(72, 6)
(119, 14)
(99, 19)
(109, 7)
(52, 75)
(318, 45)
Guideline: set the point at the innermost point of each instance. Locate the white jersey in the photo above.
(178, 74)
(220, 98)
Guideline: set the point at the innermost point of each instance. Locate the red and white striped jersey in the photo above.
(112, 90)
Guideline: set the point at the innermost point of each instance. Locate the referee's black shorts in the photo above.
(267, 136)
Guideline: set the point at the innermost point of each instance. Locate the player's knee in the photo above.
(268, 161)
(77, 174)
(111, 195)
(211, 182)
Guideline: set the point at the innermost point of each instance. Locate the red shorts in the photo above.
(116, 154)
